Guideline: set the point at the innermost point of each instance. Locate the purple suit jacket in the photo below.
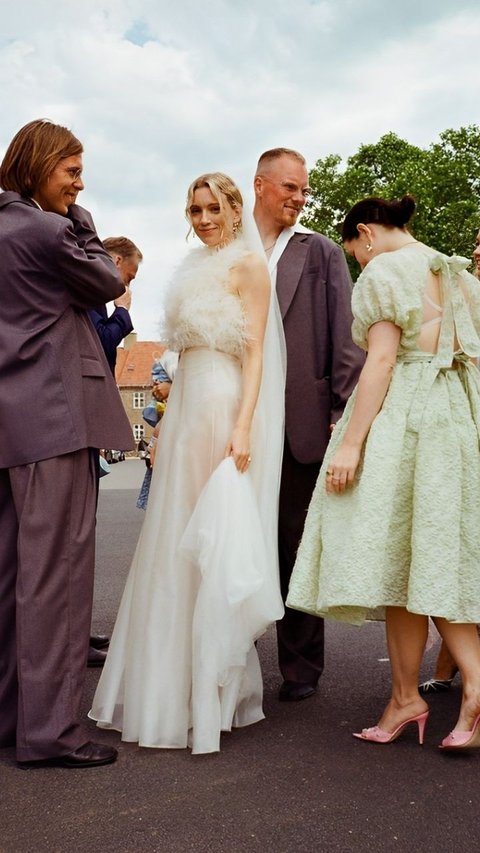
(57, 392)
(314, 291)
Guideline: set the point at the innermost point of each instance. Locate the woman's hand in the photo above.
(239, 448)
(341, 471)
(377, 372)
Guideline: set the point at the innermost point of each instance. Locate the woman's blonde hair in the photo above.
(222, 188)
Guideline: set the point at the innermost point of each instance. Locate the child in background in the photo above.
(163, 371)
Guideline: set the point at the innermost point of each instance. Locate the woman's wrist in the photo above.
(349, 443)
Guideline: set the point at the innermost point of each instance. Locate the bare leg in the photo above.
(446, 666)
(406, 638)
(464, 644)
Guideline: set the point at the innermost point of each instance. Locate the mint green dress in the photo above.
(407, 533)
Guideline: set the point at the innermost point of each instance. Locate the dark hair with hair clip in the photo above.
(390, 214)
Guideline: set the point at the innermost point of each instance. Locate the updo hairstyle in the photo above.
(222, 187)
(390, 214)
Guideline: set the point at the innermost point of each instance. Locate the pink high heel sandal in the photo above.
(376, 735)
(463, 740)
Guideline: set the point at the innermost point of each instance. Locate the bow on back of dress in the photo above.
(457, 323)
(456, 326)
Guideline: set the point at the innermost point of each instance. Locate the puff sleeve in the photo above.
(387, 291)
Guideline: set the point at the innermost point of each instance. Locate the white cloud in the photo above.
(159, 92)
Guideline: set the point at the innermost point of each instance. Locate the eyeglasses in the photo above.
(290, 188)
(74, 174)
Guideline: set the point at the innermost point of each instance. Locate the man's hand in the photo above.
(125, 300)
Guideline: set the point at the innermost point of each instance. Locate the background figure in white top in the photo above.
(203, 586)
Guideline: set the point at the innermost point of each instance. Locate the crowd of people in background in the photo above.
(318, 457)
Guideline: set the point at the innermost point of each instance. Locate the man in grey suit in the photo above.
(58, 402)
(314, 291)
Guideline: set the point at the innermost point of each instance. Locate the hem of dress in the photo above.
(106, 726)
(370, 613)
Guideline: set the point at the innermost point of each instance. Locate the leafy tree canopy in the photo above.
(444, 179)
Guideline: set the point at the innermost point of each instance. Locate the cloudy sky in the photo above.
(162, 90)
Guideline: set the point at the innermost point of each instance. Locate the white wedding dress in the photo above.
(203, 586)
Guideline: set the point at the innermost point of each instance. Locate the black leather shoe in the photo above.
(294, 691)
(96, 657)
(99, 641)
(89, 755)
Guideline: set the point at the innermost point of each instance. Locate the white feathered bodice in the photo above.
(199, 308)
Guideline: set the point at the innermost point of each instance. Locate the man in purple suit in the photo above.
(54, 269)
(314, 291)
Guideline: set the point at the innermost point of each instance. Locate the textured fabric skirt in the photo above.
(407, 533)
(182, 664)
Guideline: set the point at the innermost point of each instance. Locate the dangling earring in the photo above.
(369, 247)
(236, 226)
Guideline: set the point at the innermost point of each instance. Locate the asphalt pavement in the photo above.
(295, 783)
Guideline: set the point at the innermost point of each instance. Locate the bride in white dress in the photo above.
(203, 586)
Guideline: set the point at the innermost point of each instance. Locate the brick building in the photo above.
(133, 374)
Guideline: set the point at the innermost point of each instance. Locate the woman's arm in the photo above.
(252, 282)
(383, 342)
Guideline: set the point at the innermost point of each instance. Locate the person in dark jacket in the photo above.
(114, 328)
(111, 331)
(314, 291)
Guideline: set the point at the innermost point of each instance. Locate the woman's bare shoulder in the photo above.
(250, 263)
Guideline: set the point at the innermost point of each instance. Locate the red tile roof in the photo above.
(134, 364)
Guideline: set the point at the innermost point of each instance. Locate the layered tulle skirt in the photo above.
(203, 586)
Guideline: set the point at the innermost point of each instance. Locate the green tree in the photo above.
(444, 179)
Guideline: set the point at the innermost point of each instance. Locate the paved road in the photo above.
(295, 783)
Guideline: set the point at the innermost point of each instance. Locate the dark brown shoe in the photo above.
(89, 755)
(96, 657)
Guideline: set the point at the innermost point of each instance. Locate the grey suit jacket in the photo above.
(314, 291)
(57, 392)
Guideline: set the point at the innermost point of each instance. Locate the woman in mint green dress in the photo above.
(392, 530)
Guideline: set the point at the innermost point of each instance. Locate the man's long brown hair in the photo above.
(34, 153)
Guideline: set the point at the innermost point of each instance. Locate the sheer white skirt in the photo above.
(203, 585)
